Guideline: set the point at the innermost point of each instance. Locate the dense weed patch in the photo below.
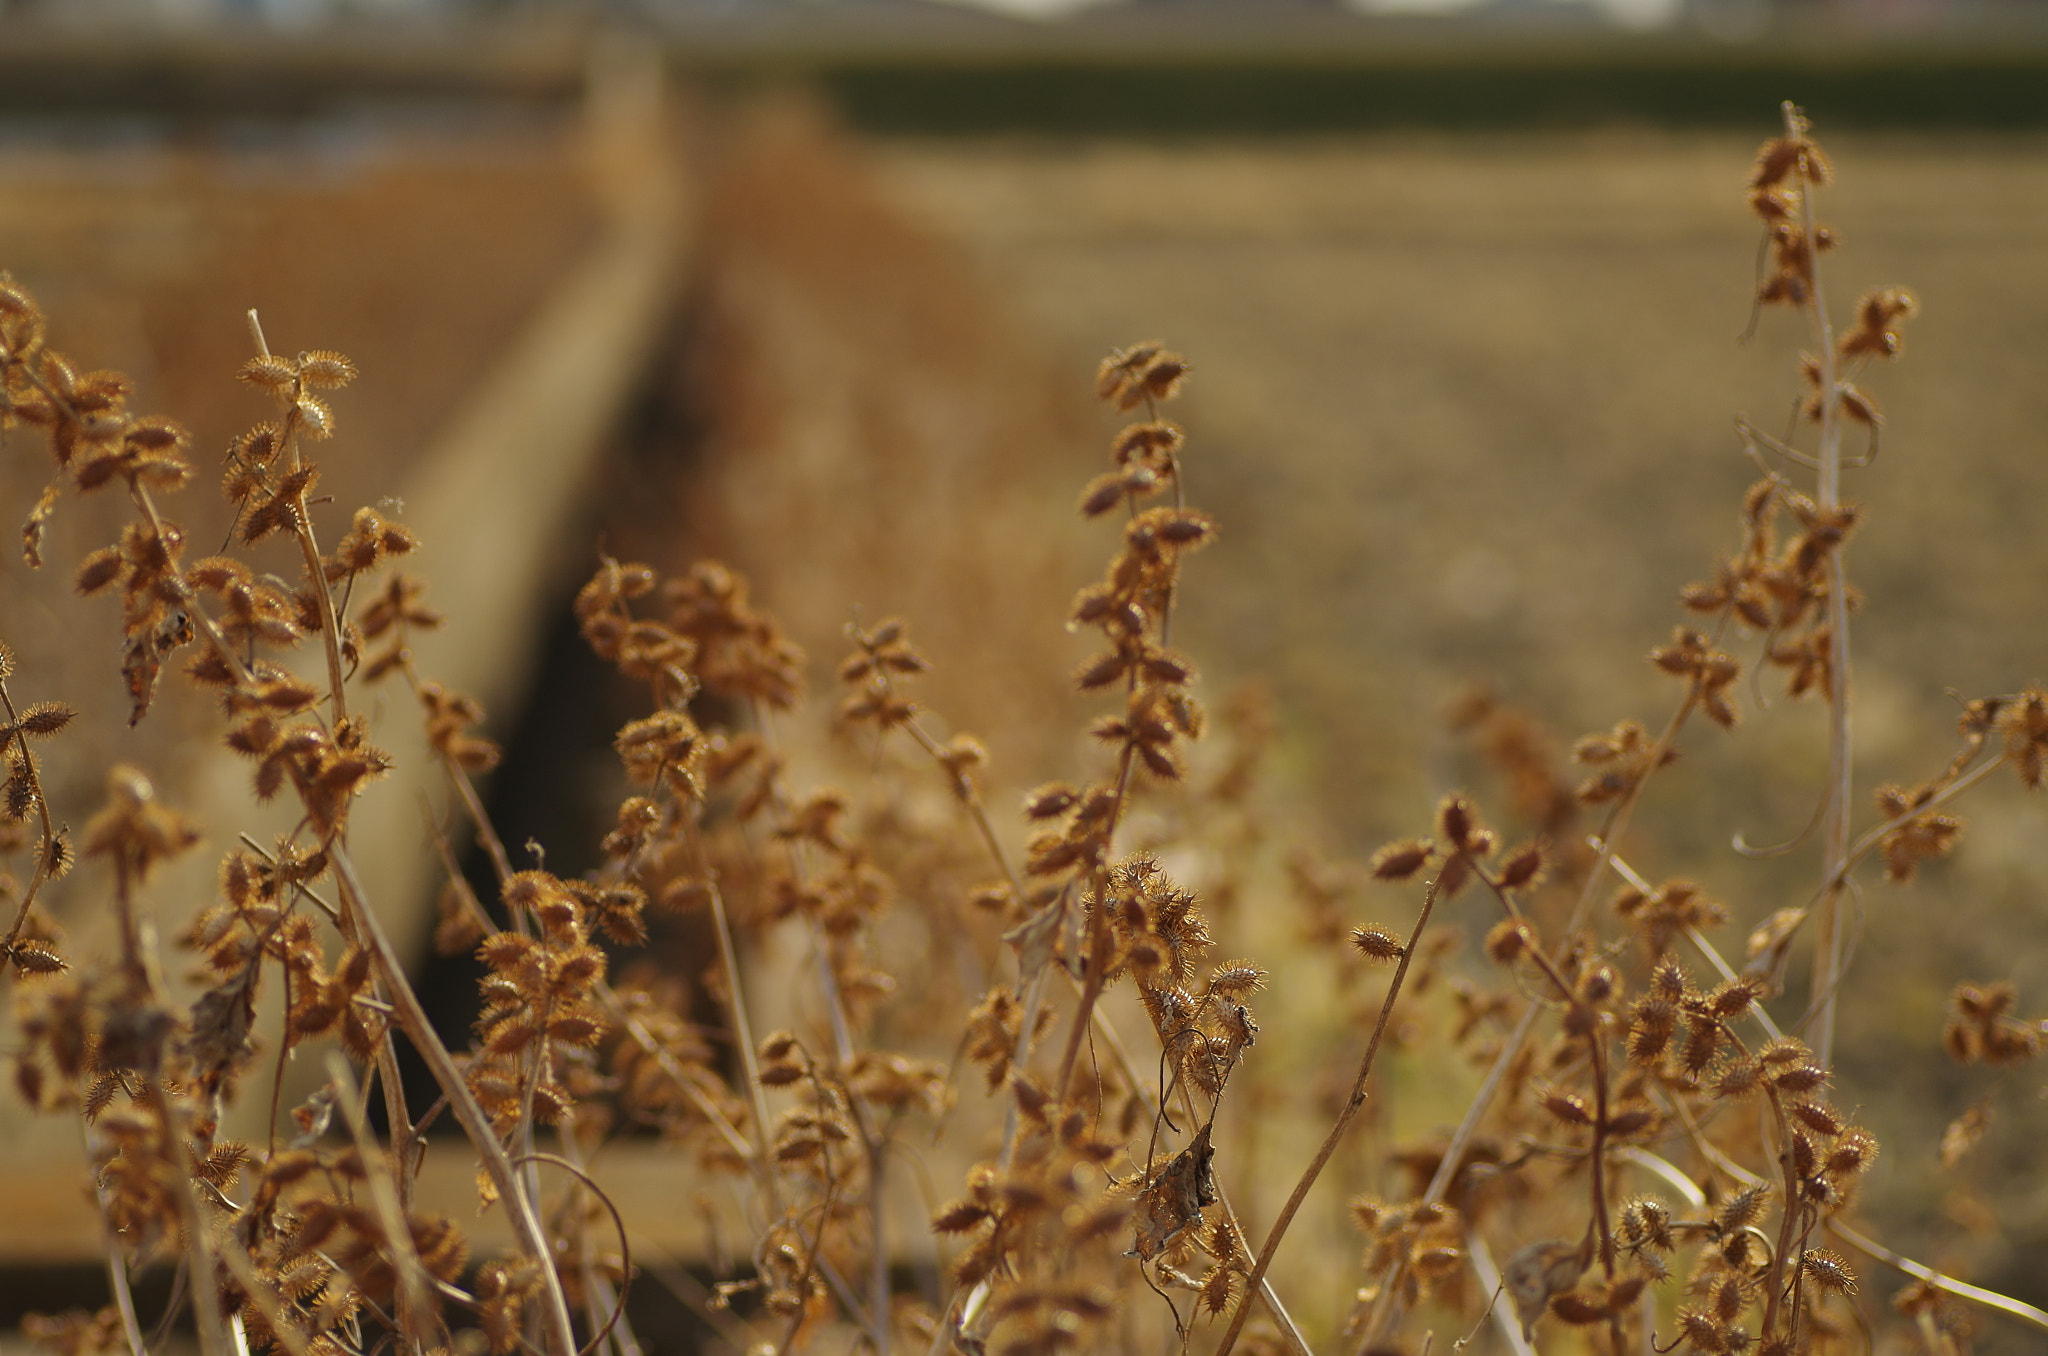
(1655, 1151)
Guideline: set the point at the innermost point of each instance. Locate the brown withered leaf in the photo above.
(1540, 1272)
(1964, 1133)
(457, 928)
(1173, 1203)
(1036, 938)
(1770, 946)
(142, 660)
(38, 520)
(220, 1028)
(75, 1330)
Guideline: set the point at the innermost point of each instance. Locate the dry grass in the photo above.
(417, 248)
(958, 1014)
(1469, 400)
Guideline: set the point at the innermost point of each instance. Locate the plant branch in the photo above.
(1828, 931)
(1352, 1104)
(412, 1018)
(1976, 1294)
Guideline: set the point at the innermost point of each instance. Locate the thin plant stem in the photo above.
(45, 843)
(117, 1267)
(1976, 1294)
(1487, 1273)
(413, 1303)
(309, 548)
(864, 1119)
(1385, 1306)
(743, 1036)
(970, 799)
(1350, 1109)
(1596, 1044)
(1834, 833)
(265, 1299)
(199, 1236)
(600, 1331)
(614, 1005)
(1098, 932)
(1271, 1298)
(412, 1018)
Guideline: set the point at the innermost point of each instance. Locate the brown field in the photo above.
(1468, 403)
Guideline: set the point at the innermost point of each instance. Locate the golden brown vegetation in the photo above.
(1657, 1151)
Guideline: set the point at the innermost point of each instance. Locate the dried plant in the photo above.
(1657, 1143)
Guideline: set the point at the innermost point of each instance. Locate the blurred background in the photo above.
(818, 287)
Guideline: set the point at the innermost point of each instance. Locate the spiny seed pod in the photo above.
(1854, 1151)
(1435, 1261)
(1799, 1078)
(59, 856)
(1187, 528)
(1522, 868)
(33, 958)
(1817, 1116)
(1653, 1014)
(1984, 1003)
(1157, 438)
(1826, 1269)
(1399, 861)
(1458, 824)
(1742, 1209)
(1567, 1107)
(1508, 940)
(18, 799)
(1785, 1050)
(270, 372)
(1050, 801)
(1732, 998)
(1739, 1079)
(1102, 494)
(1703, 1037)
(324, 368)
(46, 718)
(1455, 819)
(1237, 979)
(1738, 1249)
(1378, 943)
(1163, 375)
(1647, 1223)
(1700, 1329)
(1625, 1291)
(1803, 1155)
(1728, 1299)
